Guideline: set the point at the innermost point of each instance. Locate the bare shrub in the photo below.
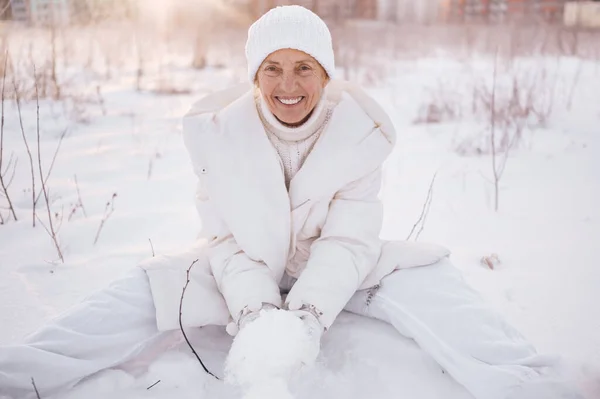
(523, 100)
(443, 106)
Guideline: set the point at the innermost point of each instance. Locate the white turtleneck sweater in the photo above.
(293, 144)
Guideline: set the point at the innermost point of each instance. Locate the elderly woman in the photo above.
(289, 174)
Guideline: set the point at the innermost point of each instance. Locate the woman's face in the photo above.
(291, 83)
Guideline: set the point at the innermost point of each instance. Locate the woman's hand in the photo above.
(270, 349)
(310, 317)
(250, 313)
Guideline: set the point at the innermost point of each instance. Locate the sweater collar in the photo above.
(286, 133)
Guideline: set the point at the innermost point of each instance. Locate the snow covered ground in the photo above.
(546, 232)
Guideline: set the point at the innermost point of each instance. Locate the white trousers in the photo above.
(430, 304)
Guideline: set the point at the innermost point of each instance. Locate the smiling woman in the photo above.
(289, 171)
(291, 82)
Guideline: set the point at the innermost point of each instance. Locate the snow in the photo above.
(267, 352)
(546, 231)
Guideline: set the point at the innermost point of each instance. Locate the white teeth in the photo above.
(290, 101)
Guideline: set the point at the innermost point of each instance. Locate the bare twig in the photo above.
(574, 85)
(152, 386)
(493, 133)
(53, 74)
(107, 212)
(14, 169)
(151, 246)
(18, 100)
(45, 181)
(3, 184)
(424, 211)
(181, 324)
(100, 100)
(37, 394)
(150, 164)
(79, 203)
(44, 190)
(426, 208)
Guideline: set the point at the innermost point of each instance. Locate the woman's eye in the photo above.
(271, 70)
(305, 68)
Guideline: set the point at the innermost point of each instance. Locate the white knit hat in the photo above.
(292, 27)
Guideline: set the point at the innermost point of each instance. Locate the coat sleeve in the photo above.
(241, 280)
(346, 252)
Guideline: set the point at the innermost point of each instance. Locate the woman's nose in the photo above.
(289, 82)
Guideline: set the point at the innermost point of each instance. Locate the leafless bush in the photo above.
(443, 106)
(523, 100)
(509, 114)
(360, 47)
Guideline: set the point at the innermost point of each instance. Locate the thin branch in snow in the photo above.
(187, 274)
(150, 164)
(574, 84)
(3, 184)
(107, 212)
(151, 246)
(152, 386)
(44, 189)
(79, 203)
(424, 211)
(18, 100)
(14, 169)
(100, 100)
(79, 196)
(35, 388)
(45, 181)
(493, 133)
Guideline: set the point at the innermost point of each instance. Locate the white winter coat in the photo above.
(324, 231)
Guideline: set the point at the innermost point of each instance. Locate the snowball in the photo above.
(267, 352)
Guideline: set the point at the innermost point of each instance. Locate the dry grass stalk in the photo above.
(3, 184)
(18, 101)
(108, 211)
(152, 247)
(424, 211)
(45, 181)
(53, 231)
(497, 173)
(79, 203)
